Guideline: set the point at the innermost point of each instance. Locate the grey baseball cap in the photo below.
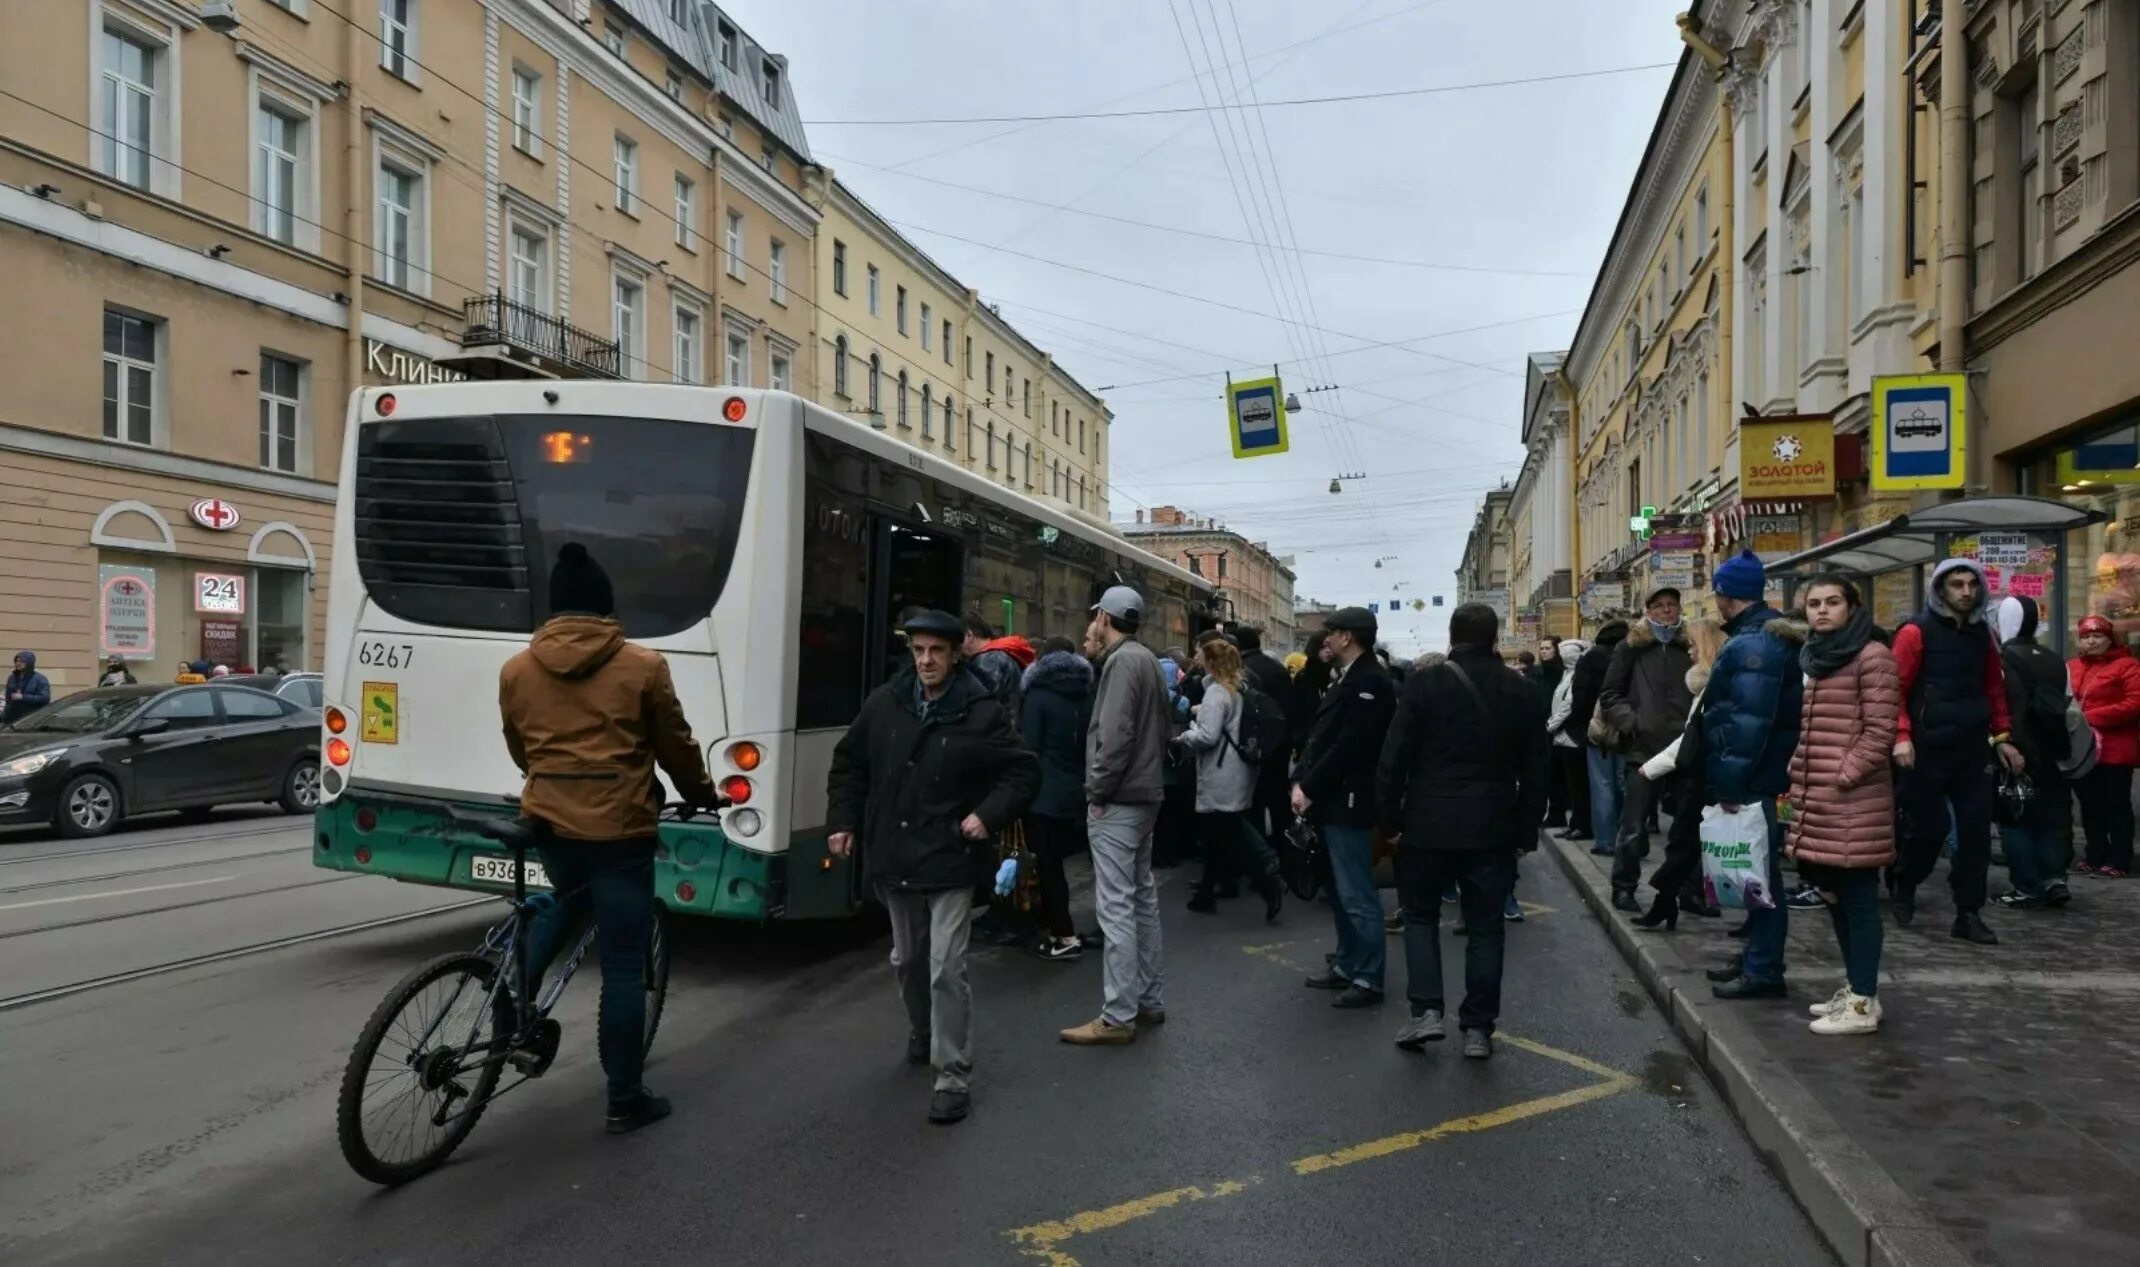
(1122, 603)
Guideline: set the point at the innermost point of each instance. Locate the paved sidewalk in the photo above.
(1994, 1119)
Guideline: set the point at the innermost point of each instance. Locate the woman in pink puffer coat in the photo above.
(1842, 827)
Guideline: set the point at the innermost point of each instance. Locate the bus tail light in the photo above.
(338, 751)
(686, 892)
(366, 820)
(337, 721)
(384, 406)
(364, 856)
(732, 409)
(744, 823)
(735, 789)
(745, 756)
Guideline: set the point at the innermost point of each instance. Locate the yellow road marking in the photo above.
(1390, 1144)
(1566, 1057)
(1040, 1240)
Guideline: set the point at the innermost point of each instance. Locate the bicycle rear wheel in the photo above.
(657, 976)
(423, 1069)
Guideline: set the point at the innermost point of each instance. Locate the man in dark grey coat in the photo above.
(1645, 698)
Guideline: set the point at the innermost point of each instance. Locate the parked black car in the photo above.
(306, 690)
(87, 761)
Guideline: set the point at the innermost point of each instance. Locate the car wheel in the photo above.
(89, 806)
(301, 787)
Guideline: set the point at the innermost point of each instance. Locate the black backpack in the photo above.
(2043, 711)
(1263, 726)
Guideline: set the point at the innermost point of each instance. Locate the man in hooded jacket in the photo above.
(1000, 663)
(587, 717)
(1645, 698)
(1954, 723)
(27, 689)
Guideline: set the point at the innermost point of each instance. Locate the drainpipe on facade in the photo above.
(817, 190)
(1954, 223)
(1727, 271)
(353, 35)
(1575, 496)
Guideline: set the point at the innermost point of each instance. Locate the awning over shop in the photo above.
(1920, 538)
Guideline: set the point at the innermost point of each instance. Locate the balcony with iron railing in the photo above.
(532, 338)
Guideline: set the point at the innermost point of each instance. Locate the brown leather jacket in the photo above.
(587, 715)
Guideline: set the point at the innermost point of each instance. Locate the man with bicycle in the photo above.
(587, 717)
(929, 771)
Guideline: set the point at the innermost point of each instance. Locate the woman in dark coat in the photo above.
(1308, 687)
(1057, 709)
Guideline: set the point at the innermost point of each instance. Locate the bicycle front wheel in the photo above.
(423, 1069)
(657, 976)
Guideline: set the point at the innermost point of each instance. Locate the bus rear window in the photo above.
(459, 519)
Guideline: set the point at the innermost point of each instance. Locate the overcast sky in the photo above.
(1520, 183)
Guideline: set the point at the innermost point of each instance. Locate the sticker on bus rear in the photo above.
(382, 712)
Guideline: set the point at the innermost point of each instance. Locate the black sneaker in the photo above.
(1729, 972)
(1331, 980)
(1971, 927)
(1356, 996)
(1478, 1045)
(946, 1107)
(1059, 951)
(917, 1049)
(1744, 987)
(1804, 898)
(644, 1111)
(2056, 893)
(2016, 900)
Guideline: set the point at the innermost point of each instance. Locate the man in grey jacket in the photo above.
(1125, 754)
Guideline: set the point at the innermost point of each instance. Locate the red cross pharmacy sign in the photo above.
(215, 514)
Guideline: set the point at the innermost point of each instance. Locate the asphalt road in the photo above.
(187, 1117)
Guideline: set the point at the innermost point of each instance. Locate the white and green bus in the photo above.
(766, 546)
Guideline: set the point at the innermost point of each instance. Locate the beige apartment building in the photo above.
(219, 218)
(914, 351)
(1255, 587)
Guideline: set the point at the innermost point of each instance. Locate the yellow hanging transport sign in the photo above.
(1255, 417)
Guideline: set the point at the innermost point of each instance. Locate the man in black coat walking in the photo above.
(1334, 788)
(1461, 786)
(930, 770)
(1270, 813)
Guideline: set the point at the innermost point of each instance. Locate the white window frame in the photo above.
(396, 148)
(299, 440)
(928, 410)
(733, 245)
(627, 318)
(400, 48)
(161, 40)
(899, 308)
(686, 210)
(928, 329)
(947, 340)
(303, 194)
(687, 351)
(899, 385)
(159, 344)
(735, 358)
(624, 173)
(779, 365)
(613, 37)
(769, 85)
(839, 367)
(839, 267)
(527, 111)
(673, 85)
(725, 44)
(777, 270)
(876, 292)
(542, 296)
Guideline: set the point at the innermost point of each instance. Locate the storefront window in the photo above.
(279, 623)
(153, 611)
(2098, 472)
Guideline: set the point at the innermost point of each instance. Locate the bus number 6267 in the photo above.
(385, 655)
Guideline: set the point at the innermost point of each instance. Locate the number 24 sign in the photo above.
(218, 592)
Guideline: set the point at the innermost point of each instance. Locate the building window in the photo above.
(947, 342)
(132, 125)
(673, 84)
(876, 292)
(397, 37)
(281, 404)
(1701, 219)
(780, 369)
(613, 37)
(403, 232)
(839, 367)
(928, 328)
(1006, 386)
(839, 267)
(626, 172)
(899, 308)
(725, 44)
(949, 422)
(686, 213)
(1857, 279)
(2030, 256)
(733, 245)
(1055, 420)
(527, 111)
(989, 379)
(628, 324)
(1029, 464)
(969, 357)
(1081, 435)
(969, 428)
(1701, 427)
(901, 408)
(129, 378)
(778, 270)
(928, 408)
(688, 355)
(738, 360)
(528, 269)
(991, 445)
(1025, 396)
(876, 382)
(1679, 259)
(772, 86)
(281, 167)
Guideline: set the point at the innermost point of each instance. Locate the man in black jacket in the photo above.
(1606, 767)
(2038, 846)
(1334, 787)
(1645, 698)
(1462, 783)
(1270, 813)
(931, 769)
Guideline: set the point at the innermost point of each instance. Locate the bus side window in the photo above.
(917, 569)
(832, 669)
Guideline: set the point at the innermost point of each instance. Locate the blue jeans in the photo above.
(2035, 854)
(1608, 792)
(1858, 930)
(1765, 927)
(614, 881)
(1361, 954)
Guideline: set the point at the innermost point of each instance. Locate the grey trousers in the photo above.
(1634, 843)
(929, 939)
(1127, 901)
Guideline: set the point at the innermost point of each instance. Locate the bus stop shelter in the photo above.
(2020, 541)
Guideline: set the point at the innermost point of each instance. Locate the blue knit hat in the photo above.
(1742, 578)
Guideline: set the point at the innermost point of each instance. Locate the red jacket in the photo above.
(1909, 657)
(2108, 688)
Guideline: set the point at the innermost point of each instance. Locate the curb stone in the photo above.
(1858, 1208)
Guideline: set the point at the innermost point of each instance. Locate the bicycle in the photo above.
(458, 1022)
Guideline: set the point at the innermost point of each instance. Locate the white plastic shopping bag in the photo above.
(1735, 857)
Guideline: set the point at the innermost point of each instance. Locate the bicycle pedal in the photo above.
(537, 1048)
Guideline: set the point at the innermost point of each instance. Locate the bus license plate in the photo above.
(487, 869)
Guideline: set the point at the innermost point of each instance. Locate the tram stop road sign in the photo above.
(1255, 415)
(1919, 429)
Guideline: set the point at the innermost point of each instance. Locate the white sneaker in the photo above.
(1858, 1015)
(1833, 1005)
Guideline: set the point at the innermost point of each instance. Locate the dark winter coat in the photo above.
(903, 782)
(1337, 768)
(1750, 711)
(2029, 668)
(1455, 777)
(1645, 692)
(27, 689)
(1270, 678)
(1590, 680)
(1058, 707)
